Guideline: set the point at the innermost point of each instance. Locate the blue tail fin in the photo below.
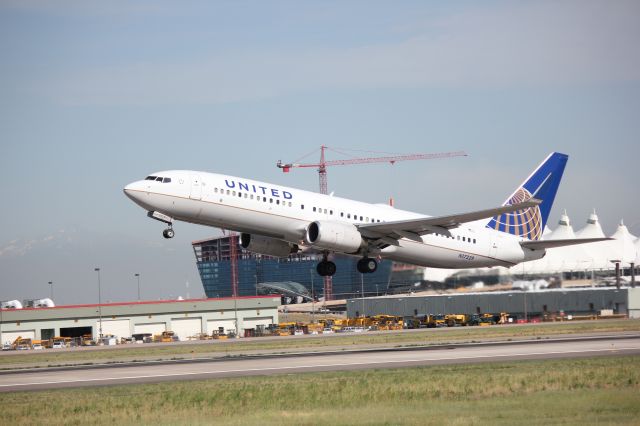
(541, 184)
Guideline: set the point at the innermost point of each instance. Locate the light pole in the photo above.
(235, 312)
(313, 300)
(51, 288)
(99, 304)
(362, 292)
(138, 277)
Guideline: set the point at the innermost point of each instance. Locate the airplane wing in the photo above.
(545, 244)
(390, 232)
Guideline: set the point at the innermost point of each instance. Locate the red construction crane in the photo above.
(322, 172)
(392, 159)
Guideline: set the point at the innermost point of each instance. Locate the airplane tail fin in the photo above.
(542, 184)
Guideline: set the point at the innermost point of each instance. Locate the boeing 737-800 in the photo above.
(275, 220)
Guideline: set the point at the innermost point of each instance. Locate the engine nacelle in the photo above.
(266, 245)
(334, 236)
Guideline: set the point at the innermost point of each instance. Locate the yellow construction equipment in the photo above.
(453, 320)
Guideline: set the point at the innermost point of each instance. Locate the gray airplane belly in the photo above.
(435, 256)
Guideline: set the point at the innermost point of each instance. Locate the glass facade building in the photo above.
(213, 258)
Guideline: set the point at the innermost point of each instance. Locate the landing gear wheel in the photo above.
(168, 233)
(367, 265)
(326, 268)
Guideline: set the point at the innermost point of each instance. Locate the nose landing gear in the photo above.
(168, 233)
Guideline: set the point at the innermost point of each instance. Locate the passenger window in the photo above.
(331, 212)
(228, 192)
(464, 239)
(301, 206)
(325, 211)
(234, 193)
(240, 194)
(314, 209)
(271, 200)
(360, 218)
(474, 241)
(246, 195)
(289, 203)
(252, 196)
(341, 214)
(264, 199)
(278, 202)
(348, 215)
(458, 237)
(215, 190)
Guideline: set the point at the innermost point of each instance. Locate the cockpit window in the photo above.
(158, 179)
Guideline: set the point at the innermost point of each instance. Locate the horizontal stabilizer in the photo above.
(545, 244)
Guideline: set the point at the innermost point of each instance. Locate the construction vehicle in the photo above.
(60, 342)
(458, 320)
(165, 337)
(440, 320)
(22, 344)
(87, 340)
(38, 344)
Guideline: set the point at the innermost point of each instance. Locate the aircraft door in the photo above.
(196, 188)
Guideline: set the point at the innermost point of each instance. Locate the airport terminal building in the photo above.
(213, 258)
(186, 318)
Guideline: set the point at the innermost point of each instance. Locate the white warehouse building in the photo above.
(186, 318)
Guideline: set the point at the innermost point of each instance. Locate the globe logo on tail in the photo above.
(525, 223)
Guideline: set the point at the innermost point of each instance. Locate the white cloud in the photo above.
(523, 44)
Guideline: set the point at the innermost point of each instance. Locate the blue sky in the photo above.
(99, 94)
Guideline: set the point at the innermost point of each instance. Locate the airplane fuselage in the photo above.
(284, 214)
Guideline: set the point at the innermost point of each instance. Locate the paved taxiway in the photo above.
(286, 364)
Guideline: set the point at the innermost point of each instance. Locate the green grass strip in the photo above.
(603, 390)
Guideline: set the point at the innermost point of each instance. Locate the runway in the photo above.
(198, 369)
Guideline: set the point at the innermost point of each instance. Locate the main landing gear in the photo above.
(168, 233)
(367, 265)
(326, 267)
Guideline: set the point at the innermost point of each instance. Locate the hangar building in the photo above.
(184, 317)
(522, 304)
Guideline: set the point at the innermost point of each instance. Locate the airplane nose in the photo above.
(133, 190)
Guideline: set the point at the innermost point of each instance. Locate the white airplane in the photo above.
(275, 220)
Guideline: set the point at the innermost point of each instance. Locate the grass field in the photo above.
(603, 391)
(284, 344)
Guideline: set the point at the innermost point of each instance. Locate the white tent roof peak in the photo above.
(564, 229)
(592, 229)
(564, 219)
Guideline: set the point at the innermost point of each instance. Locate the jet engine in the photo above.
(334, 236)
(266, 245)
